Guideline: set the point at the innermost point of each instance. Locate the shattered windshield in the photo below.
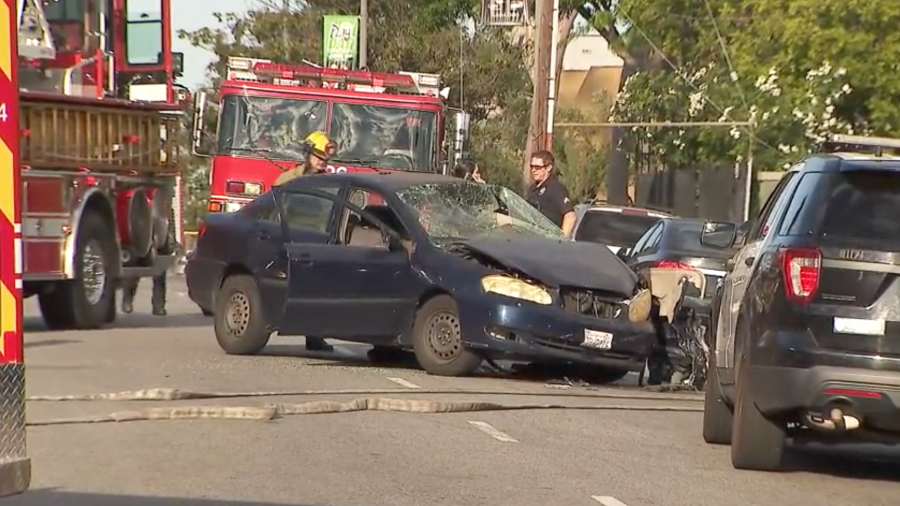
(276, 126)
(386, 137)
(464, 210)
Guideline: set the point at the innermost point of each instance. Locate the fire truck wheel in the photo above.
(238, 319)
(85, 302)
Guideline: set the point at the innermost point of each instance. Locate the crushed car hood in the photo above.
(555, 263)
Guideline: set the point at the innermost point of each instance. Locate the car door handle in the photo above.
(304, 259)
(749, 261)
(262, 235)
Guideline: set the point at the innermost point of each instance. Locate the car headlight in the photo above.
(515, 288)
(231, 207)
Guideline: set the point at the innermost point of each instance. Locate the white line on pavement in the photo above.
(403, 383)
(606, 500)
(492, 431)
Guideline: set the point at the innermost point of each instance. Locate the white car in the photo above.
(615, 226)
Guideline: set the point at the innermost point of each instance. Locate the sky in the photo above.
(191, 15)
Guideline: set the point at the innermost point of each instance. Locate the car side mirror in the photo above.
(742, 231)
(729, 264)
(718, 235)
(623, 253)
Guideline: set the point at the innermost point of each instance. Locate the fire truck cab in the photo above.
(99, 118)
(379, 120)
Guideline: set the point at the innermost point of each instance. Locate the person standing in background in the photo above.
(548, 195)
(468, 170)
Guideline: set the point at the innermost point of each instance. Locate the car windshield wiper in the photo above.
(264, 153)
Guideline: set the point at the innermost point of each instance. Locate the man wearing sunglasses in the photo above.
(319, 148)
(548, 195)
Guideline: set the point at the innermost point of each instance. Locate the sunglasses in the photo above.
(539, 167)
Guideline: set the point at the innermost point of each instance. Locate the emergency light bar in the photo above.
(254, 69)
(841, 142)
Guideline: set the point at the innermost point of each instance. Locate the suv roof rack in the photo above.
(859, 144)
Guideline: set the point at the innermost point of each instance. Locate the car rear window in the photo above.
(614, 229)
(862, 206)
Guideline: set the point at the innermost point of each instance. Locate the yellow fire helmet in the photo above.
(321, 145)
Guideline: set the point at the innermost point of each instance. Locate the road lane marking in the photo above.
(606, 500)
(492, 431)
(403, 383)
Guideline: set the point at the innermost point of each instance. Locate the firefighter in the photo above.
(319, 148)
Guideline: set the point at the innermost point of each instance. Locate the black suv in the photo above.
(806, 323)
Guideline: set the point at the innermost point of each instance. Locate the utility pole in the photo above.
(286, 9)
(538, 118)
(363, 33)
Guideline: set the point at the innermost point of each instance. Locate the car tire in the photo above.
(757, 443)
(717, 415)
(76, 303)
(437, 339)
(239, 322)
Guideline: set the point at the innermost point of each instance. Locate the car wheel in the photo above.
(239, 323)
(88, 301)
(437, 340)
(757, 443)
(717, 416)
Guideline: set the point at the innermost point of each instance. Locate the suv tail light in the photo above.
(801, 268)
(669, 264)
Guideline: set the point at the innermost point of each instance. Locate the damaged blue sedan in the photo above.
(455, 271)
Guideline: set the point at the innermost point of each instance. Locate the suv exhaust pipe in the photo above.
(834, 420)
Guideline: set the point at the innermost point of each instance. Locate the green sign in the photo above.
(340, 42)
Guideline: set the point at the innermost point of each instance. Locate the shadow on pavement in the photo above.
(132, 321)
(49, 342)
(875, 462)
(52, 498)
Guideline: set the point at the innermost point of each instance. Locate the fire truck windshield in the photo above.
(368, 135)
(388, 137)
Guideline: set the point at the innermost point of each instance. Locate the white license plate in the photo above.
(597, 340)
(857, 326)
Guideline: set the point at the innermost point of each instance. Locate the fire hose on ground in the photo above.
(269, 412)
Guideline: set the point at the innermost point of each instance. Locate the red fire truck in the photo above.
(98, 131)
(380, 121)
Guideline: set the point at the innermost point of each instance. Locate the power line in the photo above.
(731, 72)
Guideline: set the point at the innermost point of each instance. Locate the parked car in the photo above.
(453, 270)
(674, 243)
(615, 226)
(806, 323)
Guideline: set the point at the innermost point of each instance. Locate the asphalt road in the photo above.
(502, 458)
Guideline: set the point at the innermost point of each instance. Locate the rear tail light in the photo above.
(801, 268)
(669, 264)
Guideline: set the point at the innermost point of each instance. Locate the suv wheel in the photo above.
(757, 443)
(717, 416)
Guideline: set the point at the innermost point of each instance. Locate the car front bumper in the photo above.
(505, 329)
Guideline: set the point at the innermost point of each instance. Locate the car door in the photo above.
(266, 256)
(735, 282)
(339, 290)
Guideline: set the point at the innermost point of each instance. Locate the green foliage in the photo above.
(797, 69)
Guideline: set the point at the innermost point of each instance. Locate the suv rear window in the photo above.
(862, 206)
(613, 229)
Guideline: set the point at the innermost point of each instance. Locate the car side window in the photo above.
(650, 238)
(653, 242)
(265, 210)
(358, 230)
(307, 212)
(803, 195)
(763, 222)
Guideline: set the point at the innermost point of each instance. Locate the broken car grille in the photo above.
(590, 302)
